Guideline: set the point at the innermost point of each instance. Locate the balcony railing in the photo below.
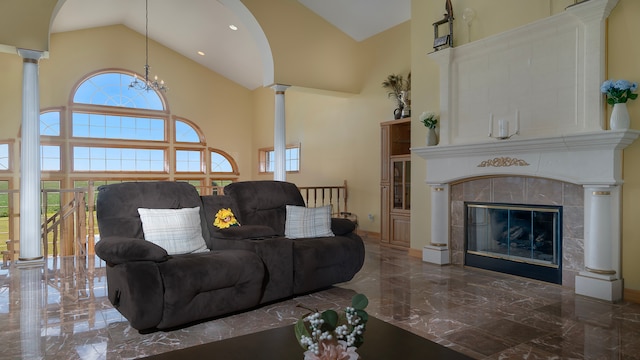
(69, 225)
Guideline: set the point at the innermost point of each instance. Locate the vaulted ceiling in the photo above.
(193, 26)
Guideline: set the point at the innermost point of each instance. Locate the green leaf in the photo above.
(330, 318)
(364, 317)
(301, 329)
(359, 302)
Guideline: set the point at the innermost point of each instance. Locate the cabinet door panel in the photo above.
(400, 230)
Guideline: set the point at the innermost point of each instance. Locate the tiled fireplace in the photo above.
(542, 79)
(531, 192)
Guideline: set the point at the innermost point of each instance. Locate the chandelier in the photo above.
(146, 83)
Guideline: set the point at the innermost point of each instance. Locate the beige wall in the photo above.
(495, 16)
(307, 50)
(623, 61)
(25, 24)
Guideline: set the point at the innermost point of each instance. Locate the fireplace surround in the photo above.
(543, 78)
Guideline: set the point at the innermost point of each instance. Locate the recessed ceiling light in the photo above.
(200, 53)
(233, 27)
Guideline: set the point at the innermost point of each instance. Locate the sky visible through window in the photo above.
(4, 156)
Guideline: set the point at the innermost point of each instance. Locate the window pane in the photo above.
(103, 126)
(219, 163)
(49, 158)
(186, 133)
(4, 156)
(269, 158)
(50, 123)
(117, 159)
(188, 161)
(292, 162)
(112, 89)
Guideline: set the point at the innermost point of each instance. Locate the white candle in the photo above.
(517, 121)
(503, 128)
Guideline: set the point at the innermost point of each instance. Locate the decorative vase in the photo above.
(397, 113)
(619, 117)
(432, 138)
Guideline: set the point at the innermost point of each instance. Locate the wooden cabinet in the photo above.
(395, 183)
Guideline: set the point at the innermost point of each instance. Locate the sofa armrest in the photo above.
(340, 226)
(118, 250)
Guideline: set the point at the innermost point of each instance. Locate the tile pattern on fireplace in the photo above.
(525, 190)
(482, 314)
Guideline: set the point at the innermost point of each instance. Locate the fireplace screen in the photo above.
(518, 233)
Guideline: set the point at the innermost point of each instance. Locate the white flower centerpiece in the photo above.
(329, 335)
(618, 93)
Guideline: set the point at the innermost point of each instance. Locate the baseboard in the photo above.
(369, 234)
(416, 253)
(632, 295)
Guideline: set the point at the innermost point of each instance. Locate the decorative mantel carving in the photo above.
(504, 161)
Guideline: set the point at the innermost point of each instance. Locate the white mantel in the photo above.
(593, 158)
(543, 78)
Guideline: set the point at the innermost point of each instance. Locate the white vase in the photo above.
(432, 138)
(619, 117)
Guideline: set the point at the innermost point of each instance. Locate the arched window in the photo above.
(112, 89)
(111, 132)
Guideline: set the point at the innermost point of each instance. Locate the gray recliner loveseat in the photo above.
(241, 267)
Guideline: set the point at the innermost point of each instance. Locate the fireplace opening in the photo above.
(523, 240)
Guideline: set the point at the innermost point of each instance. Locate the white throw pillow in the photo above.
(303, 222)
(176, 230)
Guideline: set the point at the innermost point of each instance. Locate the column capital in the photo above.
(280, 88)
(31, 54)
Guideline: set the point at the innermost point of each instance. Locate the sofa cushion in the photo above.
(263, 202)
(176, 230)
(117, 205)
(303, 222)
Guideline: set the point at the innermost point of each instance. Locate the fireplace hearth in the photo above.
(523, 240)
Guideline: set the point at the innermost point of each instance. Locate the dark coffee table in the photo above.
(382, 341)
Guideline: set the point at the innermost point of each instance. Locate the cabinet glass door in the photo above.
(401, 184)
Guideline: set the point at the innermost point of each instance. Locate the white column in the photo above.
(437, 252)
(31, 304)
(279, 139)
(30, 219)
(601, 277)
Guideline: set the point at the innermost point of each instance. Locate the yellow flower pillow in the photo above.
(225, 219)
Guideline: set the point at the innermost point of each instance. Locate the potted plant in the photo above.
(430, 121)
(618, 92)
(399, 89)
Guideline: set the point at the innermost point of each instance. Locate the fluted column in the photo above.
(30, 219)
(279, 139)
(437, 251)
(31, 303)
(601, 276)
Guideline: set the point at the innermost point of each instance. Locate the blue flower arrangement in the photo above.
(619, 91)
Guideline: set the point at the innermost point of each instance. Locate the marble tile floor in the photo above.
(62, 312)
